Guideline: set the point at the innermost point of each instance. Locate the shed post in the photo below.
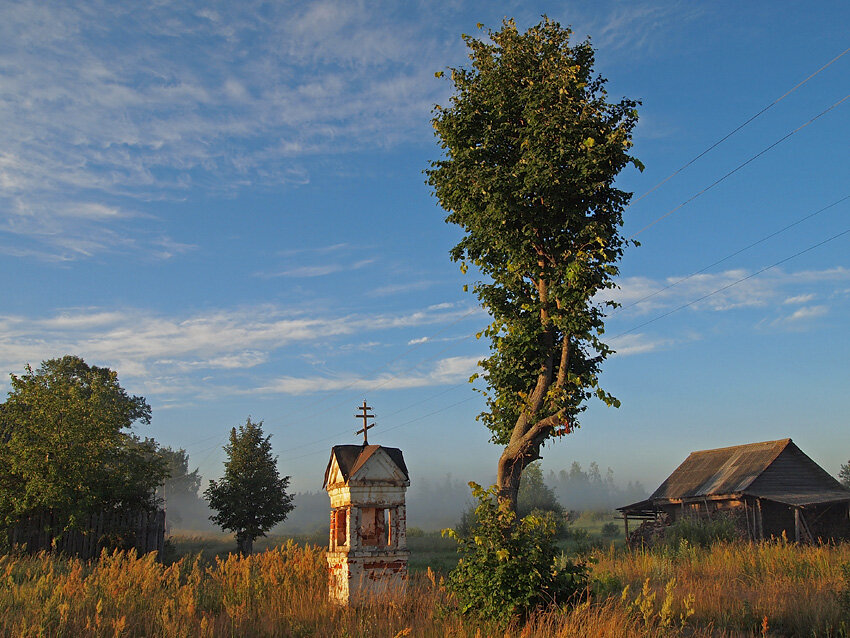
(761, 520)
(797, 525)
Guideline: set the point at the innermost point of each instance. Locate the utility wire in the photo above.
(731, 133)
(654, 188)
(734, 283)
(739, 167)
(734, 254)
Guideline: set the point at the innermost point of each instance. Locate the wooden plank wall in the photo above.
(142, 531)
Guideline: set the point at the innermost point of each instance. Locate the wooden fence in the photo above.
(142, 531)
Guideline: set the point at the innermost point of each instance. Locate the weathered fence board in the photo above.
(142, 531)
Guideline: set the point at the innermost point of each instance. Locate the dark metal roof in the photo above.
(351, 458)
(725, 470)
(774, 470)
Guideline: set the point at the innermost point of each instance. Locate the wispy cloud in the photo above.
(718, 292)
(447, 371)
(799, 299)
(169, 355)
(639, 343)
(104, 104)
(801, 316)
(395, 289)
(319, 270)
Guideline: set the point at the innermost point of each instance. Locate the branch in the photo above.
(564, 364)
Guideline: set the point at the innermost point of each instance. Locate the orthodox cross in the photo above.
(364, 414)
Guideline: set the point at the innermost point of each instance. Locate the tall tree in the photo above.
(532, 148)
(67, 445)
(251, 497)
(844, 474)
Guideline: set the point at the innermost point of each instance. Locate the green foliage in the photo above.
(507, 566)
(531, 151)
(65, 444)
(610, 530)
(180, 481)
(696, 532)
(535, 496)
(251, 497)
(844, 474)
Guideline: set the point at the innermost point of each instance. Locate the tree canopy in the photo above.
(844, 474)
(532, 148)
(251, 497)
(67, 445)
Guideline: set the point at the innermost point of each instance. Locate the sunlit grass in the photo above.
(728, 590)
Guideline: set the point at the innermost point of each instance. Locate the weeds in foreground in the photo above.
(726, 590)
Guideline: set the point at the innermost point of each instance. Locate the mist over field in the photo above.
(432, 503)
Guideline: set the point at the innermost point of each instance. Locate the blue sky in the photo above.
(225, 203)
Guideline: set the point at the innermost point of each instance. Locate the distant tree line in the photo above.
(578, 489)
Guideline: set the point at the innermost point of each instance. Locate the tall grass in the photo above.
(726, 590)
(736, 586)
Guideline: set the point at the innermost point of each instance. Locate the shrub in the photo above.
(507, 566)
(699, 532)
(610, 530)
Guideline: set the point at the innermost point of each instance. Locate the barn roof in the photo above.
(351, 458)
(775, 470)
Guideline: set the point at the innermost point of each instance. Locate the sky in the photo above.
(225, 203)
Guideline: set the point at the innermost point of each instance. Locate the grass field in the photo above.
(775, 589)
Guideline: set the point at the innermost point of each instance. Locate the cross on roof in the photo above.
(364, 414)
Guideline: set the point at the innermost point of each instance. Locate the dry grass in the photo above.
(800, 590)
(725, 591)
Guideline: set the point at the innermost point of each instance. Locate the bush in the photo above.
(507, 566)
(702, 533)
(610, 530)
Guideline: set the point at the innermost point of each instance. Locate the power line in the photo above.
(677, 171)
(734, 254)
(731, 133)
(739, 167)
(727, 286)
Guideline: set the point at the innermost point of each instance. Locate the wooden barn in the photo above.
(769, 488)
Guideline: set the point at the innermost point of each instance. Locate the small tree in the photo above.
(251, 498)
(507, 566)
(844, 474)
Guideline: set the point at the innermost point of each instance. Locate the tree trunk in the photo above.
(514, 459)
(245, 543)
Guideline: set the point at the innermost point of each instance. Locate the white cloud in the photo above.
(319, 270)
(799, 317)
(101, 105)
(166, 354)
(393, 289)
(451, 370)
(719, 292)
(632, 344)
(799, 299)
